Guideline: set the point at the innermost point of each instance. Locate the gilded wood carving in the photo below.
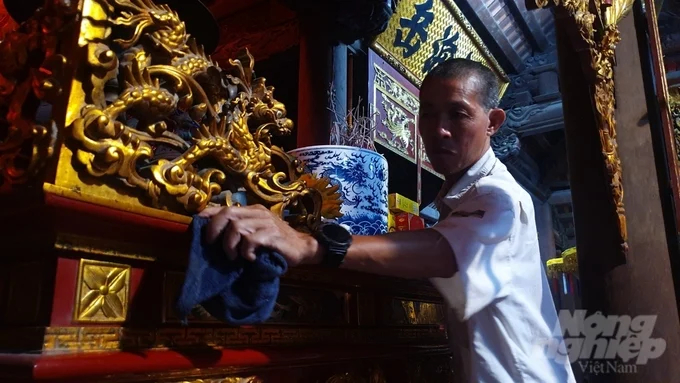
(149, 112)
(103, 290)
(226, 116)
(233, 379)
(599, 31)
(109, 338)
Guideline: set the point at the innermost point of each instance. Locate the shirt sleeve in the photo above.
(480, 233)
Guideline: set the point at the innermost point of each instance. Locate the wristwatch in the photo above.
(335, 240)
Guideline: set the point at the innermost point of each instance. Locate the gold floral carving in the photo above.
(600, 33)
(103, 290)
(31, 71)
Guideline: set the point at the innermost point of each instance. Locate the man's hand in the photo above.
(243, 230)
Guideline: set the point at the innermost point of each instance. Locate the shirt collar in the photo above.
(450, 195)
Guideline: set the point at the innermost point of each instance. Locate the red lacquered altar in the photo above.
(97, 194)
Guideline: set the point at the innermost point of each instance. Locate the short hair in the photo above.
(457, 68)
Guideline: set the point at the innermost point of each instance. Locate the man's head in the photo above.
(458, 114)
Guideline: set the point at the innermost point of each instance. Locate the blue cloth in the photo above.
(238, 292)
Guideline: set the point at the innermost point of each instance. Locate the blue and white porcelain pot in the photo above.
(362, 177)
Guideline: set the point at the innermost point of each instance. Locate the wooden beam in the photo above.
(265, 29)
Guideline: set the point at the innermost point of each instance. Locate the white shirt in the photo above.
(500, 291)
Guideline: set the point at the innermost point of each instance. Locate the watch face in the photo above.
(336, 233)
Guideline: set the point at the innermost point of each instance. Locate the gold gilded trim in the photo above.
(75, 194)
(391, 89)
(601, 42)
(231, 379)
(103, 292)
(106, 338)
(98, 246)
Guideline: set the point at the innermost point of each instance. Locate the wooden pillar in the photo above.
(316, 66)
(339, 79)
(641, 282)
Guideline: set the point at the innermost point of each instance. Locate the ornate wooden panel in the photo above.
(396, 102)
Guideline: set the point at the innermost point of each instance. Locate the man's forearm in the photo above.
(407, 254)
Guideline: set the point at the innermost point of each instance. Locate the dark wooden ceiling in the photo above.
(265, 27)
(222, 9)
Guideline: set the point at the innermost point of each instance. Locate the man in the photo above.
(483, 255)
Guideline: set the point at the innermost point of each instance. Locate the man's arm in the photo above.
(415, 254)
(406, 254)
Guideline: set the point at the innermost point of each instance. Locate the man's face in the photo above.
(455, 126)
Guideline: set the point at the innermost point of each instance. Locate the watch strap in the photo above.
(335, 250)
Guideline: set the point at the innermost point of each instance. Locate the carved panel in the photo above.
(232, 379)
(307, 305)
(431, 370)
(600, 40)
(114, 338)
(397, 104)
(102, 292)
(398, 311)
(294, 305)
(423, 33)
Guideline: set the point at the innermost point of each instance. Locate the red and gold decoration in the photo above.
(116, 127)
(395, 100)
(145, 111)
(423, 33)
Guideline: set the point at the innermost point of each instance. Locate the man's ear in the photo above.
(496, 119)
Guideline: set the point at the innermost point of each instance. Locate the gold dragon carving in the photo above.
(600, 33)
(157, 114)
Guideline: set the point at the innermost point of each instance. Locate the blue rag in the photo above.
(238, 292)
